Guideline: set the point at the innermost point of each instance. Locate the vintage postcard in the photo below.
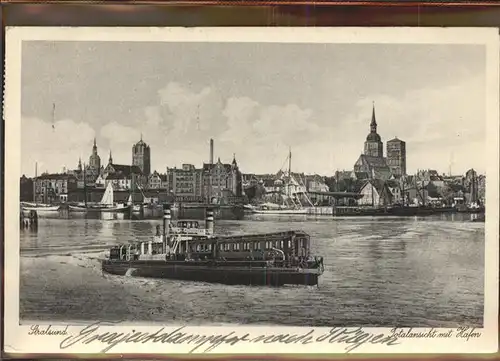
(251, 190)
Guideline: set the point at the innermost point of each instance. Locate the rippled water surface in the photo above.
(379, 272)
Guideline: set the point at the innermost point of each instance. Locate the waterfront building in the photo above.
(214, 182)
(186, 183)
(221, 179)
(249, 180)
(375, 193)
(316, 183)
(396, 156)
(428, 174)
(481, 188)
(119, 180)
(394, 187)
(89, 173)
(123, 176)
(54, 188)
(100, 182)
(158, 181)
(26, 189)
(141, 157)
(471, 185)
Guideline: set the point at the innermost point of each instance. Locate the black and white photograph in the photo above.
(313, 179)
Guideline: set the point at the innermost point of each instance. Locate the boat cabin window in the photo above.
(187, 224)
(157, 248)
(204, 248)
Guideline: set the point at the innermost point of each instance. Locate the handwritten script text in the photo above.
(350, 338)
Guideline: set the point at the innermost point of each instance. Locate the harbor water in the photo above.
(385, 272)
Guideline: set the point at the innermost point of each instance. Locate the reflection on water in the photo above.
(379, 271)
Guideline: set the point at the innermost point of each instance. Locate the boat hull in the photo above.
(51, 209)
(279, 212)
(413, 211)
(204, 272)
(98, 209)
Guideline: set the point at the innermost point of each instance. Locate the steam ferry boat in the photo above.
(189, 250)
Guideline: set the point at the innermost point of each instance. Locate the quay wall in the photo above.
(320, 211)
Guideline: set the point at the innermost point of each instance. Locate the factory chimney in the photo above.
(211, 151)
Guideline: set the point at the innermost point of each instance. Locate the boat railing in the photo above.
(193, 231)
(280, 252)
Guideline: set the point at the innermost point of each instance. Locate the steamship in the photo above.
(189, 250)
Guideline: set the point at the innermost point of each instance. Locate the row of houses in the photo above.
(426, 186)
(210, 183)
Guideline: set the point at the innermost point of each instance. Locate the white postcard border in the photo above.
(17, 338)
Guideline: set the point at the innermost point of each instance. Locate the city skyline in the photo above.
(253, 104)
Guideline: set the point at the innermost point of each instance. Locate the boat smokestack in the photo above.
(209, 221)
(211, 151)
(166, 224)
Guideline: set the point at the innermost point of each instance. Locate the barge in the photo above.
(189, 250)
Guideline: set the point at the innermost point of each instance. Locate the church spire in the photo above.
(234, 159)
(110, 158)
(373, 124)
(95, 143)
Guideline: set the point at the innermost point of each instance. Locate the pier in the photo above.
(29, 221)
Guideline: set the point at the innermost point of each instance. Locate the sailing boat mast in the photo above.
(403, 180)
(289, 171)
(84, 185)
(34, 185)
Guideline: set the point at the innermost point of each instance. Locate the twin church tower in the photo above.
(373, 162)
(141, 157)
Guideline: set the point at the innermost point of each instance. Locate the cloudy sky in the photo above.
(255, 100)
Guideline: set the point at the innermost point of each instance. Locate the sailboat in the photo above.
(106, 205)
(40, 208)
(281, 209)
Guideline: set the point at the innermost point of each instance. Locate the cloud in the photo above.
(118, 134)
(435, 122)
(266, 132)
(179, 127)
(53, 146)
(182, 112)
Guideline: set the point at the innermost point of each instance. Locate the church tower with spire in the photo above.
(373, 144)
(94, 159)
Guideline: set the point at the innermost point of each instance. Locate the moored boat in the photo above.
(412, 210)
(97, 208)
(107, 204)
(35, 206)
(275, 209)
(348, 211)
(188, 251)
(40, 208)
